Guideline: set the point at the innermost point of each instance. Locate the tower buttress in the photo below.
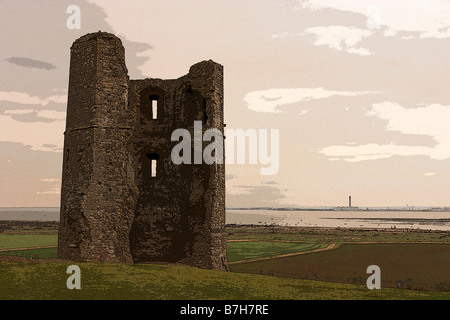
(96, 196)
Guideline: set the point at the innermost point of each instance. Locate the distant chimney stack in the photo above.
(350, 201)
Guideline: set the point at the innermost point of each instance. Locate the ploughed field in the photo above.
(405, 266)
(408, 259)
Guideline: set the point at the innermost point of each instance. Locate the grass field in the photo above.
(32, 253)
(236, 250)
(421, 264)
(17, 241)
(45, 281)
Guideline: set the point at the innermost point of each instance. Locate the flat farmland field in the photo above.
(243, 250)
(42, 253)
(405, 266)
(20, 241)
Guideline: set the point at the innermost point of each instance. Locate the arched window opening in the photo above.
(152, 103)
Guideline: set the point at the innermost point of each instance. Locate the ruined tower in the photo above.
(123, 199)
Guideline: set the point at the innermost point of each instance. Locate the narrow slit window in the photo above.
(155, 109)
(154, 165)
(153, 157)
(154, 99)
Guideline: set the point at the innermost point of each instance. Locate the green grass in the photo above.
(27, 281)
(127, 281)
(32, 253)
(18, 241)
(237, 251)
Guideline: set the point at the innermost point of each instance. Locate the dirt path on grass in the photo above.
(330, 247)
(264, 240)
(346, 242)
(34, 248)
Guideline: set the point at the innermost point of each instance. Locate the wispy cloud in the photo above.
(50, 192)
(269, 100)
(50, 180)
(431, 120)
(30, 63)
(230, 176)
(47, 115)
(25, 98)
(39, 136)
(423, 18)
(341, 38)
(249, 195)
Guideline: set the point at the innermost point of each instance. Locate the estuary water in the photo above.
(343, 219)
(330, 219)
(29, 214)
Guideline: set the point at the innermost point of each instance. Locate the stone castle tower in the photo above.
(122, 197)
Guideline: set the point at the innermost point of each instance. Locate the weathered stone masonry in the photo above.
(123, 199)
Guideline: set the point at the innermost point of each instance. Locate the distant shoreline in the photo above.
(352, 209)
(29, 208)
(330, 209)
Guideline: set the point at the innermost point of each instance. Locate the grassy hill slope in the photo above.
(47, 281)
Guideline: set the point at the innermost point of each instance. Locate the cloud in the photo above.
(245, 195)
(27, 115)
(371, 151)
(268, 100)
(270, 182)
(427, 18)
(430, 174)
(432, 120)
(40, 136)
(30, 63)
(34, 63)
(284, 35)
(51, 180)
(52, 191)
(341, 38)
(281, 35)
(55, 190)
(25, 98)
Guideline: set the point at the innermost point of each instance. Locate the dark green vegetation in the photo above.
(28, 227)
(334, 235)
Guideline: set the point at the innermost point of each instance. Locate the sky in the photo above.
(356, 89)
